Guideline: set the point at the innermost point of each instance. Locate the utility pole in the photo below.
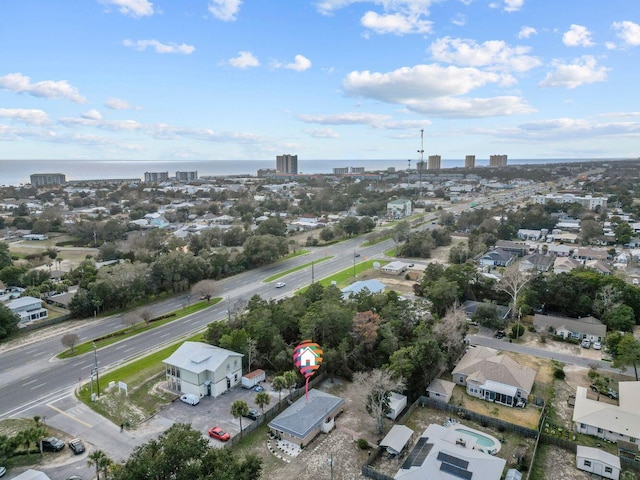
(95, 366)
(312, 273)
(228, 309)
(354, 263)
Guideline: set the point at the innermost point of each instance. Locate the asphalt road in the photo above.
(31, 375)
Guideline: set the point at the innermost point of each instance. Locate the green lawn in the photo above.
(294, 269)
(136, 329)
(346, 276)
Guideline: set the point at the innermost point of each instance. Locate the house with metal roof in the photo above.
(373, 286)
(440, 455)
(203, 369)
(494, 377)
(597, 461)
(28, 309)
(307, 417)
(607, 421)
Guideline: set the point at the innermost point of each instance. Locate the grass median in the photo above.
(294, 269)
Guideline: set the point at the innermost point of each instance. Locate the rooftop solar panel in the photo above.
(451, 460)
(456, 471)
(418, 454)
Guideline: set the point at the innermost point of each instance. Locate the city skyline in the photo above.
(333, 79)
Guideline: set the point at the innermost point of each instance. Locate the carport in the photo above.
(396, 439)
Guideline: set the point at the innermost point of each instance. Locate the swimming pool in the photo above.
(484, 441)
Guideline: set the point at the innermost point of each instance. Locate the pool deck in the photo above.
(469, 437)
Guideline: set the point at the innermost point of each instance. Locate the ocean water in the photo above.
(17, 172)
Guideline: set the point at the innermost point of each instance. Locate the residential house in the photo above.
(537, 262)
(440, 390)
(611, 422)
(399, 208)
(203, 369)
(28, 309)
(598, 266)
(306, 418)
(518, 248)
(497, 258)
(494, 377)
(470, 307)
(577, 328)
(439, 455)
(372, 286)
(394, 268)
(597, 461)
(564, 264)
(525, 234)
(558, 250)
(590, 254)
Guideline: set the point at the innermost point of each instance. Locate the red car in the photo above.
(218, 433)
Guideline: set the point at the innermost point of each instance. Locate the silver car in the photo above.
(190, 399)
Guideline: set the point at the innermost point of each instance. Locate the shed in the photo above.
(513, 474)
(598, 461)
(440, 390)
(397, 404)
(394, 268)
(396, 439)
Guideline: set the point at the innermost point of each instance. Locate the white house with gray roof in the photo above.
(577, 328)
(607, 421)
(203, 369)
(494, 377)
(305, 419)
(28, 309)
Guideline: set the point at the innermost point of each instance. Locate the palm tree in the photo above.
(290, 379)
(239, 409)
(278, 384)
(262, 399)
(101, 462)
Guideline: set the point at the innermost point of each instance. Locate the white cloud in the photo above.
(141, 45)
(513, 5)
(132, 8)
(509, 5)
(244, 60)
(459, 20)
(610, 45)
(583, 70)
(494, 54)
(225, 10)
(30, 116)
(16, 82)
(577, 36)
(321, 133)
(526, 32)
(300, 64)
(628, 32)
(118, 104)
(397, 23)
(433, 89)
(92, 114)
(350, 118)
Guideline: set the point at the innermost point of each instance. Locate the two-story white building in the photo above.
(28, 309)
(203, 369)
(399, 208)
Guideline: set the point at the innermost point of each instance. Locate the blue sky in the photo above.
(323, 79)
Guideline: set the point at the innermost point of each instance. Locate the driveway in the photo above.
(213, 412)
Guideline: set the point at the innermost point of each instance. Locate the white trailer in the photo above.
(252, 379)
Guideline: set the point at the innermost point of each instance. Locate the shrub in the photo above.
(362, 444)
(517, 331)
(559, 374)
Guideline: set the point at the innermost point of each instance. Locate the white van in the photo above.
(190, 399)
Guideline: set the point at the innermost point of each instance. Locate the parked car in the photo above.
(76, 446)
(190, 399)
(412, 265)
(594, 387)
(253, 414)
(74, 477)
(3, 470)
(52, 444)
(611, 393)
(500, 334)
(597, 345)
(280, 284)
(258, 388)
(219, 434)
(586, 343)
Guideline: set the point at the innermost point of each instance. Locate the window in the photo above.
(235, 363)
(600, 430)
(632, 439)
(587, 463)
(608, 470)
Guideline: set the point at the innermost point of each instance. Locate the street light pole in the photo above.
(95, 366)
(354, 263)
(312, 274)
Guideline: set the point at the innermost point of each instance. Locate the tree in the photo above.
(623, 232)
(204, 289)
(262, 399)
(5, 255)
(327, 234)
(8, 322)
(70, 340)
(376, 387)
(239, 409)
(590, 229)
(290, 379)
(146, 315)
(512, 282)
(278, 384)
(100, 460)
(627, 353)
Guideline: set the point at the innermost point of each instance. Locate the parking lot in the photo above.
(213, 412)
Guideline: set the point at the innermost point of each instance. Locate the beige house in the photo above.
(610, 422)
(577, 328)
(494, 377)
(440, 390)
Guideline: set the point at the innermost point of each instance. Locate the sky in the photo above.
(321, 79)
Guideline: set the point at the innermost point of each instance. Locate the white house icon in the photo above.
(307, 357)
